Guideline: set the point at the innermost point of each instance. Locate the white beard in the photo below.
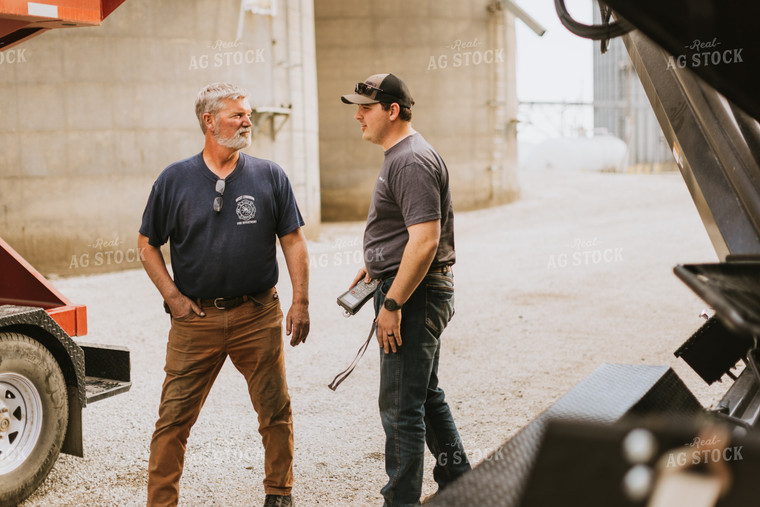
(236, 142)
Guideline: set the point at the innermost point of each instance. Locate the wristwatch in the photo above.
(391, 305)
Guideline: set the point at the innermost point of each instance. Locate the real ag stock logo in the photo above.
(702, 451)
(106, 252)
(465, 53)
(226, 54)
(582, 252)
(13, 56)
(704, 54)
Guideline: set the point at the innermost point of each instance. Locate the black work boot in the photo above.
(279, 501)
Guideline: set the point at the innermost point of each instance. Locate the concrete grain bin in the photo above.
(458, 60)
(92, 115)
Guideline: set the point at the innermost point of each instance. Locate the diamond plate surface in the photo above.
(11, 317)
(611, 392)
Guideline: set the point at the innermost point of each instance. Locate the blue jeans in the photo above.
(413, 408)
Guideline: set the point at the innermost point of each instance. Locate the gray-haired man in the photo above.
(222, 211)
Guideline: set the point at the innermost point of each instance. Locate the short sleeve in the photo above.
(418, 193)
(288, 215)
(154, 219)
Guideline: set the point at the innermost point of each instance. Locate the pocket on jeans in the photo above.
(263, 305)
(185, 318)
(439, 307)
(385, 286)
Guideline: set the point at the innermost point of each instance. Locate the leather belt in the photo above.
(227, 303)
(441, 269)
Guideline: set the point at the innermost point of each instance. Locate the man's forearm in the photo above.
(154, 265)
(419, 253)
(297, 258)
(298, 268)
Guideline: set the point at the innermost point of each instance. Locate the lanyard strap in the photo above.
(345, 373)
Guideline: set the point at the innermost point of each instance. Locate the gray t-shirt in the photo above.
(413, 187)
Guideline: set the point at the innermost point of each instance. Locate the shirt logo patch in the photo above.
(246, 210)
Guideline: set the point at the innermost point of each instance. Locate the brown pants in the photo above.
(251, 334)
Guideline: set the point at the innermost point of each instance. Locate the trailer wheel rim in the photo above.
(20, 418)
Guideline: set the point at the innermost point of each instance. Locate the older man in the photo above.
(222, 210)
(409, 247)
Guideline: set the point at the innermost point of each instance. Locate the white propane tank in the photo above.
(601, 153)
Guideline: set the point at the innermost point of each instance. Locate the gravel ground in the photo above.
(576, 274)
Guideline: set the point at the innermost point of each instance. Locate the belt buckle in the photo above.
(217, 306)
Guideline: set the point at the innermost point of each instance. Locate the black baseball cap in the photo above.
(385, 88)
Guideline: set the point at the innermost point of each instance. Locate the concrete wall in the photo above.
(458, 60)
(92, 115)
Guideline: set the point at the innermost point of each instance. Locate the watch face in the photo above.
(391, 304)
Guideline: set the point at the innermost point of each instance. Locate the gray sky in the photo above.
(555, 67)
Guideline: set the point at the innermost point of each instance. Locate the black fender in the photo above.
(36, 323)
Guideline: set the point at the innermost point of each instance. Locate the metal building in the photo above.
(621, 108)
(92, 115)
(458, 59)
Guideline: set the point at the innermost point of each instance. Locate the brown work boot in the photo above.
(279, 501)
(428, 498)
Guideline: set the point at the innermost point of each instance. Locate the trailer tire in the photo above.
(33, 415)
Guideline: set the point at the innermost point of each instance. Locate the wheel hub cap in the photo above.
(20, 420)
(5, 420)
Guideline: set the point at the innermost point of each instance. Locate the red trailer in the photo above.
(21, 20)
(46, 377)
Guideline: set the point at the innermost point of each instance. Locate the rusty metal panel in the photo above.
(21, 284)
(21, 20)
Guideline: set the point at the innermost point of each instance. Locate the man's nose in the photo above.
(247, 121)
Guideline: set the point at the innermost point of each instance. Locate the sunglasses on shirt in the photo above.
(218, 200)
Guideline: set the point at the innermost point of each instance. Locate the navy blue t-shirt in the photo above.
(232, 252)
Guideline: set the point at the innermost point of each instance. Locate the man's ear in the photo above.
(394, 111)
(208, 121)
